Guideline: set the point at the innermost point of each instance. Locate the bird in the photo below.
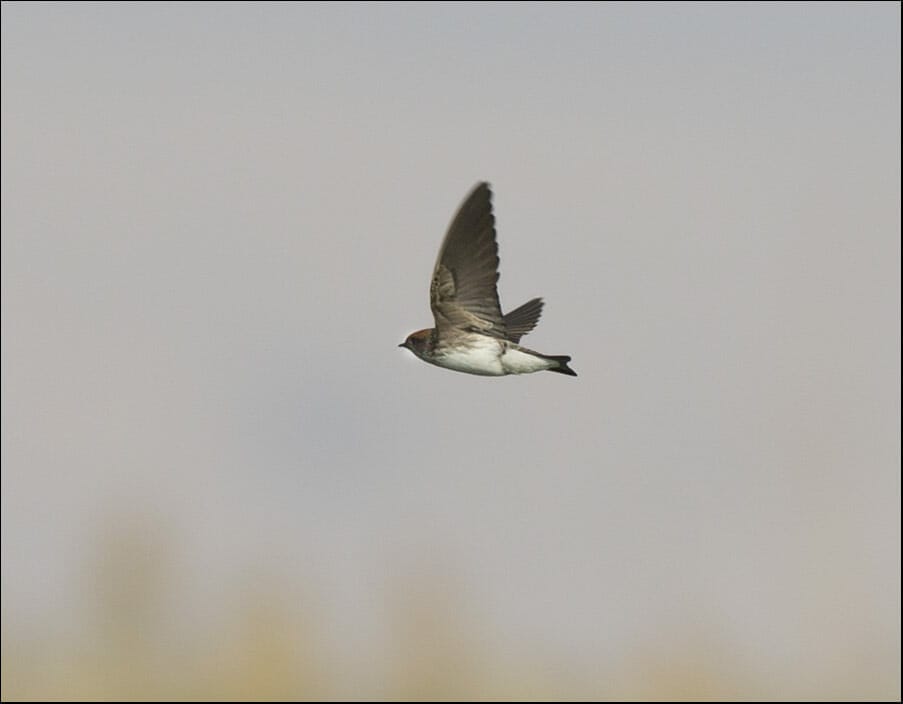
(471, 333)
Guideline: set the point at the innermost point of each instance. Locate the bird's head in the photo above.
(419, 342)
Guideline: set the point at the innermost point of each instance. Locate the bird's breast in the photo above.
(474, 354)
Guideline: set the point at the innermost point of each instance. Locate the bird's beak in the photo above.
(401, 345)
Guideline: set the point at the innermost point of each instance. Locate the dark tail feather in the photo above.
(562, 367)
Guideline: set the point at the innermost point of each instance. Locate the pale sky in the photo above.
(220, 220)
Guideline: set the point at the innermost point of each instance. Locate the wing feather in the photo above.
(463, 291)
(523, 319)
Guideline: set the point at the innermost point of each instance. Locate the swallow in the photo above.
(471, 334)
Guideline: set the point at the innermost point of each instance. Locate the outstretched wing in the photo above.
(463, 291)
(523, 319)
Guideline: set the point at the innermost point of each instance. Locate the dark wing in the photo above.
(522, 320)
(463, 292)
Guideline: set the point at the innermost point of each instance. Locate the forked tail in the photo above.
(562, 368)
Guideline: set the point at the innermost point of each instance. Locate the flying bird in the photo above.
(471, 334)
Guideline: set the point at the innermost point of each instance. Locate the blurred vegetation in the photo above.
(272, 646)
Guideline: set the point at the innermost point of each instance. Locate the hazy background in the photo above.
(221, 477)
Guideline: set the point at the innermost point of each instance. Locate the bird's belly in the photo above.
(516, 361)
(483, 357)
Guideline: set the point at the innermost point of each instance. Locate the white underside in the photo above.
(491, 357)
